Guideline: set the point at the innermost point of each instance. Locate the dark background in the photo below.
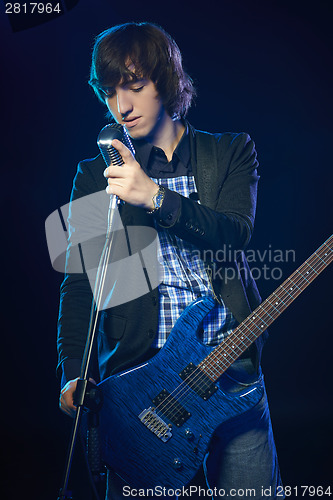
(264, 67)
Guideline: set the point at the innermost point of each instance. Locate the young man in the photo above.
(198, 190)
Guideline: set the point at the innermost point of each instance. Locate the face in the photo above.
(137, 105)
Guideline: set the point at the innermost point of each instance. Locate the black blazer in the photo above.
(225, 169)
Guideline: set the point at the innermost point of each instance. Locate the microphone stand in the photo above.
(87, 392)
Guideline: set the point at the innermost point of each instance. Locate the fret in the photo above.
(217, 362)
(321, 258)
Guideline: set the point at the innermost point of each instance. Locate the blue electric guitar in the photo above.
(158, 418)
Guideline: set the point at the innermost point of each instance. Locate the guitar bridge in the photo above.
(155, 424)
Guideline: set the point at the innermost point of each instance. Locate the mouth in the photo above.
(131, 122)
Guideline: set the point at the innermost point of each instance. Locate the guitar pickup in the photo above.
(198, 381)
(166, 404)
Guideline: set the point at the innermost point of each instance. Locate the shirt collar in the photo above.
(144, 150)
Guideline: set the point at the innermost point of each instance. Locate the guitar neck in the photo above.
(215, 364)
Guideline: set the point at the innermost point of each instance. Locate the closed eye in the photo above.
(137, 89)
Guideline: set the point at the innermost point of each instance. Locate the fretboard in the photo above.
(256, 323)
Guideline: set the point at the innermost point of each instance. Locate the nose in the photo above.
(124, 104)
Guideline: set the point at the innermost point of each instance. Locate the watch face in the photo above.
(158, 200)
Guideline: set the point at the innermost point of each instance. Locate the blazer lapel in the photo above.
(205, 166)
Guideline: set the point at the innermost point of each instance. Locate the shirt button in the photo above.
(169, 216)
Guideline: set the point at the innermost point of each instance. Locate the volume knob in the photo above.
(177, 464)
(189, 434)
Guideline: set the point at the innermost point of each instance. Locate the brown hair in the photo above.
(154, 54)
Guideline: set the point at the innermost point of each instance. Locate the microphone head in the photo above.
(108, 133)
(104, 139)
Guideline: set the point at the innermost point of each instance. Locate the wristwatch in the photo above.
(157, 199)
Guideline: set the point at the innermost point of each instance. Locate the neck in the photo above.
(168, 135)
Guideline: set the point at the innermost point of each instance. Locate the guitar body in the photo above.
(156, 425)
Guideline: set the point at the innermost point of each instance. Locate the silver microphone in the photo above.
(109, 153)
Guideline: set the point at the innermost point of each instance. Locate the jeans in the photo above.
(241, 461)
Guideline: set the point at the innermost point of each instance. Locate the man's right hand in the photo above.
(67, 396)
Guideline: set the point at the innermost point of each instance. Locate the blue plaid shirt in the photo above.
(184, 279)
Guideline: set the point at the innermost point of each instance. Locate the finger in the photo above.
(66, 396)
(66, 400)
(65, 408)
(115, 172)
(67, 411)
(66, 404)
(122, 150)
(115, 188)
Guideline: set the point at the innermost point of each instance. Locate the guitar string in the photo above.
(291, 298)
(301, 279)
(281, 293)
(216, 352)
(201, 374)
(274, 300)
(264, 313)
